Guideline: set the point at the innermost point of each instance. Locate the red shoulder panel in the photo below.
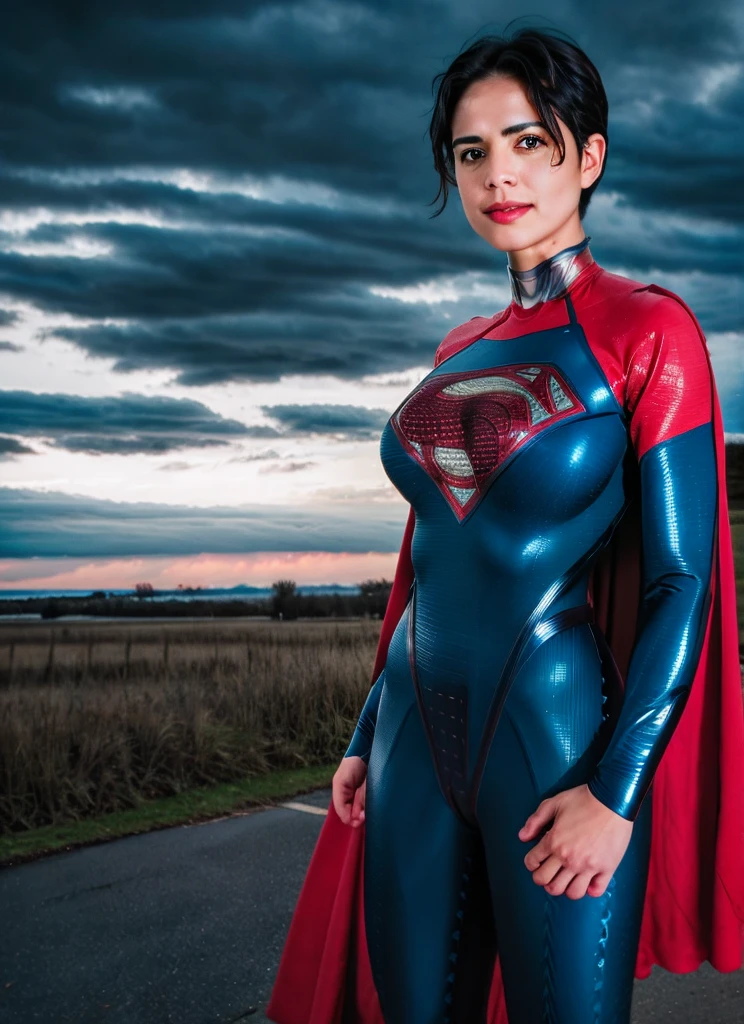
(645, 338)
(654, 355)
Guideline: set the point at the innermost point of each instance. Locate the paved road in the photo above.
(187, 925)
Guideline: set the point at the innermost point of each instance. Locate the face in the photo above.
(502, 157)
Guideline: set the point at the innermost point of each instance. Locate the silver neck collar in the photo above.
(550, 278)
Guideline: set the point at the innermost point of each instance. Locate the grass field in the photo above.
(96, 717)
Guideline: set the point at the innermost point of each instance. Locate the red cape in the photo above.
(694, 908)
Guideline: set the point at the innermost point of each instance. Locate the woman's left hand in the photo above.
(581, 851)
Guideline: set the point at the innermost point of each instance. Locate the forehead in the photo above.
(496, 101)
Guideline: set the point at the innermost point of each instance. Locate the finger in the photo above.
(544, 813)
(343, 799)
(341, 808)
(540, 852)
(560, 882)
(599, 883)
(577, 889)
(548, 870)
(357, 808)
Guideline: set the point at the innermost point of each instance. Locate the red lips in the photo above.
(505, 213)
(503, 206)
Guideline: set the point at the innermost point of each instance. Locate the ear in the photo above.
(592, 159)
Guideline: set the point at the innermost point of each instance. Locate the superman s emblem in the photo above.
(462, 427)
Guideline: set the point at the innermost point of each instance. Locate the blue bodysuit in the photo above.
(520, 453)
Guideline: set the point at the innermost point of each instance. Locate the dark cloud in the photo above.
(55, 525)
(350, 421)
(380, 336)
(219, 305)
(137, 444)
(130, 424)
(11, 446)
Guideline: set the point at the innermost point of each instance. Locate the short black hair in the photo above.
(558, 76)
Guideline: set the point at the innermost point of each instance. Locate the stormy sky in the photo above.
(219, 272)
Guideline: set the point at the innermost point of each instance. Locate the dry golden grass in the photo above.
(84, 731)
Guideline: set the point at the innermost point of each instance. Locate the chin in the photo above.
(510, 237)
(517, 238)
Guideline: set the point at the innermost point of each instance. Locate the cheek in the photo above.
(555, 186)
(469, 190)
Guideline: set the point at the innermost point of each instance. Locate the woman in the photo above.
(529, 687)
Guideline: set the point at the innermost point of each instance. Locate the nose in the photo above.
(499, 171)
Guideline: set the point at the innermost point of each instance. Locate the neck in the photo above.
(552, 277)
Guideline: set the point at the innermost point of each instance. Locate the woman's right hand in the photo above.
(349, 789)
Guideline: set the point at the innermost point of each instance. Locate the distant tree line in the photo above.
(284, 603)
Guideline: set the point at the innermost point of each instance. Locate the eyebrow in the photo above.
(511, 130)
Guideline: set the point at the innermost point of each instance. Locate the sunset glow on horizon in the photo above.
(207, 570)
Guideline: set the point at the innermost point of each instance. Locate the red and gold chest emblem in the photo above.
(462, 427)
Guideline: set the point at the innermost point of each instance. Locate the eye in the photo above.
(535, 138)
(465, 153)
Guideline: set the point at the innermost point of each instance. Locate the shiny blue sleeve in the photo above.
(678, 516)
(679, 501)
(361, 740)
